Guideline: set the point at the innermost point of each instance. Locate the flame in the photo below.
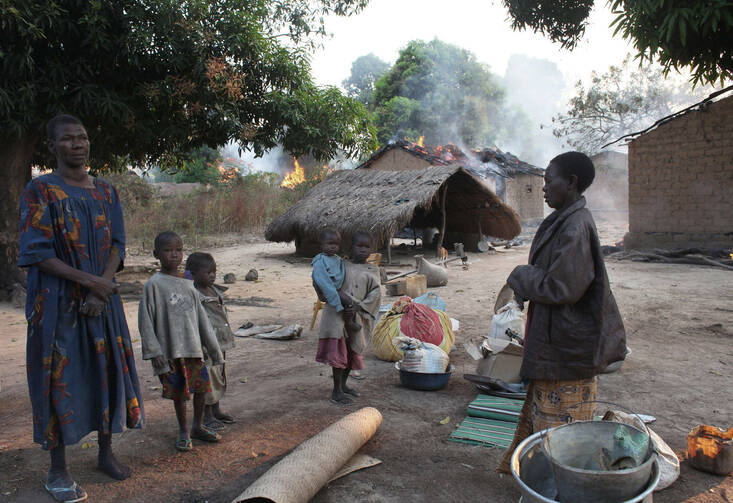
(295, 177)
(227, 173)
(421, 142)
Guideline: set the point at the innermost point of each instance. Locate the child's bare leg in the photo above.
(199, 401)
(107, 462)
(180, 406)
(337, 395)
(198, 430)
(349, 391)
(208, 413)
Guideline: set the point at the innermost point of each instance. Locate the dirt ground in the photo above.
(679, 320)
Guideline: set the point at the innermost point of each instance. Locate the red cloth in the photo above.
(421, 322)
(337, 353)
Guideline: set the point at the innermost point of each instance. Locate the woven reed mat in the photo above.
(300, 475)
(356, 463)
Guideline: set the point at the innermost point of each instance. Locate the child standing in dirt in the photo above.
(202, 269)
(339, 346)
(328, 277)
(173, 327)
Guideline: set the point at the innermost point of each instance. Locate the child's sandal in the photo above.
(184, 444)
(206, 435)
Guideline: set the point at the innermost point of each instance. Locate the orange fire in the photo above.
(421, 142)
(227, 172)
(295, 177)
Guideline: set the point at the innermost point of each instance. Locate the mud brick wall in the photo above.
(524, 195)
(681, 181)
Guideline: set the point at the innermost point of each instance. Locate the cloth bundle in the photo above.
(422, 357)
(413, 320)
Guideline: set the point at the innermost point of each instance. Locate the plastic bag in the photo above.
(509, 317)
(432, 300)
(421, 357)
(669, 464)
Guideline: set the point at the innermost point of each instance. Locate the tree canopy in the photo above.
(365, 71)
(438, 91)
(676, 33)
(153, 78)
(618, 102)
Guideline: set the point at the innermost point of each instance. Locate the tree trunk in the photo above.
(15, 173)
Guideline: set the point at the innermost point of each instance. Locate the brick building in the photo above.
(681, 180)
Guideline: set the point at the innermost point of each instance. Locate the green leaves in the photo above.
(153, 78)
(439, 91)
(676, 33)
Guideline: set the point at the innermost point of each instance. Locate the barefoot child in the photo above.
(341, 348)
(202, 268)
(173, 327)
(328, 276)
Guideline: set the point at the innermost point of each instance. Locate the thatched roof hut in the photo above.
(384, 202)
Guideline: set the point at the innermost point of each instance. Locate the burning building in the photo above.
(382, 202)
(518, 184)
(681, 179)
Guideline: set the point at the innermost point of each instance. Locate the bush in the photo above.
(246, 204)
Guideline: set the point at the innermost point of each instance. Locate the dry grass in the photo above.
(243, 206)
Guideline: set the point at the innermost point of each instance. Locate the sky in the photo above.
(481, 26)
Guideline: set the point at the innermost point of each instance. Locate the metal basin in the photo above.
(581, 455)
(424, 382)
(533, 472)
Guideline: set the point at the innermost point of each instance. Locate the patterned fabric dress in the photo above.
(81, 370)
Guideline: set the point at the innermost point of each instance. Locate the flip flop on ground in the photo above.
(70, 494)
(184, 444)
(206, 435)
(215, 424)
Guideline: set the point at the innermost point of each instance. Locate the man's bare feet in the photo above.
(108, 464)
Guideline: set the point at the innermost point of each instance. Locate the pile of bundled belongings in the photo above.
(409, 318)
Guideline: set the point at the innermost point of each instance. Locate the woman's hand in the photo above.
(520, 301)
(93, 305)
(101, 287)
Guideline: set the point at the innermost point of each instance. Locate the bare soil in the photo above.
(680, 324)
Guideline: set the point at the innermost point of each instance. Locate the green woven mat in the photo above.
(491, 421)
(481, 431)
(494, 407)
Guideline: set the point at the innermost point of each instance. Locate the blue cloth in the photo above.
(81, 370)
(328, 276)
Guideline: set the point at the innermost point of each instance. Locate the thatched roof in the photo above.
(484, 162)
(384, 202)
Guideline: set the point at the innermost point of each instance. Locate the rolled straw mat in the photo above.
(300, 475)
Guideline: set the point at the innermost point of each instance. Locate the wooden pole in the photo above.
(442, 225)
(389, 250)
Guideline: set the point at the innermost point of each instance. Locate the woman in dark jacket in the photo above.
(574, 329)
